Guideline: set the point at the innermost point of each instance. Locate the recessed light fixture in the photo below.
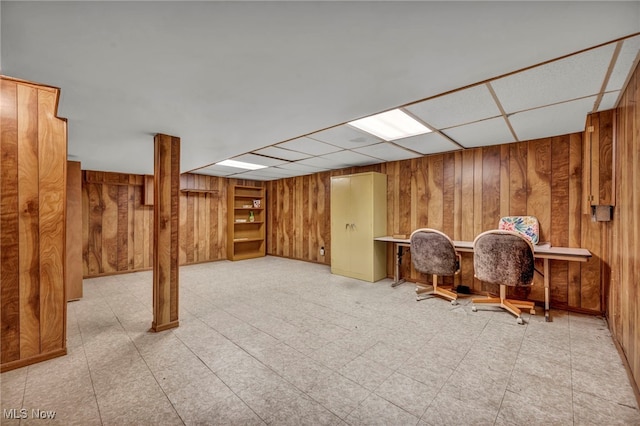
(391, 125)
(241, 165)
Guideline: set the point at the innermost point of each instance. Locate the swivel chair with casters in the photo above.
(504, 258)
(433, 252)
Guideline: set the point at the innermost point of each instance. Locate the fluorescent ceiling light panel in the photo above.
(391, 125)
(240, 165)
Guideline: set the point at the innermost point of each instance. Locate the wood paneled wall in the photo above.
(623, 307)
(32, 224)
(117, 225)
(462, 194)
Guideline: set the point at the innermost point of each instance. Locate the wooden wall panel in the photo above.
(463, 194)
(52, 157)
(9, 235)
(117, 225)
(74, 231)
(32, 218)
(29, 220)
(623, 233)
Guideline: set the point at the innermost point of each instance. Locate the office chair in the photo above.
(433, 252)
(504, 258)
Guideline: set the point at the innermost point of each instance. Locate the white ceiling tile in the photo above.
(285, 154)
(570, 78)
(258, 159)
(608, 101)
(387, 152)
(296, 166)
(271, 172)
(217, 170)
(560, 119)
(210, 172)
(351, 158)
(308, 146)
(253, 176)
(323, 163)
(429, 143)
(292, 173)
(454, 109)
(622, 68)
(345, 136)
(481, 133)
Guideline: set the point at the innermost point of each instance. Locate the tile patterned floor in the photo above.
(280, 342)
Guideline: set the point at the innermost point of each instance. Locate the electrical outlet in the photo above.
(321, 251)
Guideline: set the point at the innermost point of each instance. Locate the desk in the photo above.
(541, 251)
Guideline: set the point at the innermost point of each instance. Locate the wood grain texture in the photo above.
(29, 220)
(623, 233)
(32, 218)
(9, 237)
(166, 211)
(74, 230)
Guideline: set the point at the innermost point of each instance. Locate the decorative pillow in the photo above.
(525, 225)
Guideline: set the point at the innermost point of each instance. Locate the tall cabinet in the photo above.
(358, 215)
(246, 222)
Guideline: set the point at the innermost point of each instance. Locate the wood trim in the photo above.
(32, 360)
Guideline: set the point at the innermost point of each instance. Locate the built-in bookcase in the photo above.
(246, 222)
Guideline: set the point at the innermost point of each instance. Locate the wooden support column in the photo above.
(166, 205)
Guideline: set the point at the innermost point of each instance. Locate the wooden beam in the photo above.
(166, 208)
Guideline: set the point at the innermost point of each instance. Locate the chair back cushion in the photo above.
(432, 252)
(525, 225)
(503, 257)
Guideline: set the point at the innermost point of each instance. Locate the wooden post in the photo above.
(165, 232)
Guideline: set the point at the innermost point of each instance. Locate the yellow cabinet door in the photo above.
(340, 221)
(361, 229)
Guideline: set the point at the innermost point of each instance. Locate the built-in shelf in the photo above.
(245, 237)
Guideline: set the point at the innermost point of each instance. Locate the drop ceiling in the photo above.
(274, 83)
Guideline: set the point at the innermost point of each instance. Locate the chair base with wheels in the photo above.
(511, 305)
(504, 258)
(424, 292)
(433, 253)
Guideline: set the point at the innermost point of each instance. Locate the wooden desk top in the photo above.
(542, 251)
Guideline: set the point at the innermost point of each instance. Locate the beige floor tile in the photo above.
(378, 411)
(591, 410)
(365, 372)
(338, 394)
(302, 346)
(408, 394)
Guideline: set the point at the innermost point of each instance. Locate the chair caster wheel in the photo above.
(520, 321)
(454, 302)
(474, 309)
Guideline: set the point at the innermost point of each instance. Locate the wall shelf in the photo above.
(245, 239)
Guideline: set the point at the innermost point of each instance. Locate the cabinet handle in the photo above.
(353, 226)
(346, 226)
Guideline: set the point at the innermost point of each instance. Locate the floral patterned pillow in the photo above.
(525, 225)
